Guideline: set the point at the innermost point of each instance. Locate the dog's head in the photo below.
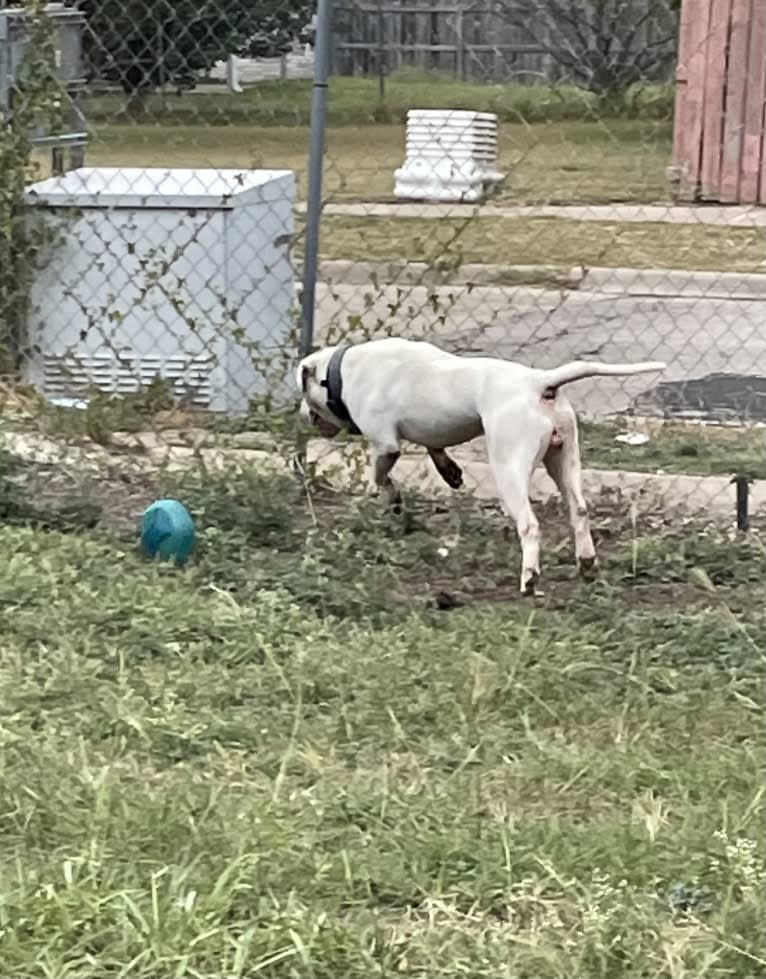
(313, 410)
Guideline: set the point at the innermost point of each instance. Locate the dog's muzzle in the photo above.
(323, 425)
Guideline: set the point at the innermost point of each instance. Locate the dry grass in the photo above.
(585, 162)
(544, 241)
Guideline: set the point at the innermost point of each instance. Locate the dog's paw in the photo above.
(588, 568)
(448, 469)
(529, 585)
(452, 475)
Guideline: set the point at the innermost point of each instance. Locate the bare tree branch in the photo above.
(600, 44)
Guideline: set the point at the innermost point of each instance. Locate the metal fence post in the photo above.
(381, 53)
(316, 154)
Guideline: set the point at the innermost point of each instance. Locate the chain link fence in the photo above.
(153, 243)
(585, 250)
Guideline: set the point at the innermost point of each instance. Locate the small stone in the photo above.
(127, 441)
(255, 440)
(186, 437)
(175, 418)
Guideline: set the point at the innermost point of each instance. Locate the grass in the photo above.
(554, 147)
(585, 162)
(557, 142)
(566, 162)
(356, 101)
(451, 243)
(588, 162)
(284, 761)
(698, 450)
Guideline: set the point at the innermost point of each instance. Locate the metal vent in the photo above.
(71, 375)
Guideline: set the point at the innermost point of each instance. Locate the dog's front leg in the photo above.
(384, 463)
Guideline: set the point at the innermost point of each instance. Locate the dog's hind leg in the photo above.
(512, 466)
(563, 465)
(515, 493)
(447, 468)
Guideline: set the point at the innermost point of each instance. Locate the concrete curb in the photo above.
(675, 283)
(729, 216)
(661, 283)
(346, 272)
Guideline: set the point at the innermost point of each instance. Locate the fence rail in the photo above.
(453, 38)
(370, 39)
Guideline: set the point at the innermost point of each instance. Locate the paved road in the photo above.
(694, 336)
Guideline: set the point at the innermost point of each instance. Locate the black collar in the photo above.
(334, 384)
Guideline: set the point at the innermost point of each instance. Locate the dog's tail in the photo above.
(576, 370)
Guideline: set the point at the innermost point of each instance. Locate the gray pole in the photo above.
(381, 53)
(316, 155)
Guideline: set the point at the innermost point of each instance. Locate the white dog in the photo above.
(393, 390)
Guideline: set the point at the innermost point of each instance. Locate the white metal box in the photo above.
(181, 274)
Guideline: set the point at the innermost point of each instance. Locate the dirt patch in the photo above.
(259, 529)
(70, 498)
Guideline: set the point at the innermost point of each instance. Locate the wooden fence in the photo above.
(483, 42)
(719, 151)
(376, 37)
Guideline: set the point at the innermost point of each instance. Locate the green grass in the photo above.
(563, 162)
(450, 243)
(698, 450)
(356, 101)
(284, 762)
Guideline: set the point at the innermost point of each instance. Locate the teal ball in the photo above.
(167, 532)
